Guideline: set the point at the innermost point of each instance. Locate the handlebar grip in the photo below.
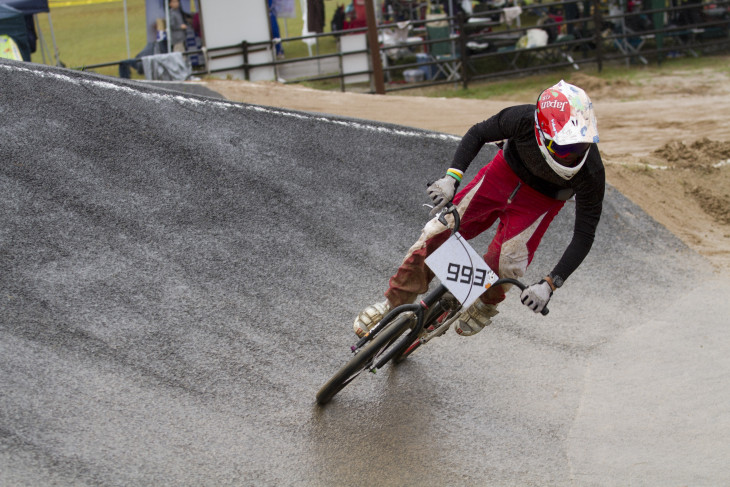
(507, 280)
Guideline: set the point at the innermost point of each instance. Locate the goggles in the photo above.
(568, 154)
(566, 150)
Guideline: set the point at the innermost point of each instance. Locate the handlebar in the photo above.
(451, 208)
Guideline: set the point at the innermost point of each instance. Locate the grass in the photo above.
(610, 73)
(524, 87)
(93, 34)
(293, 28)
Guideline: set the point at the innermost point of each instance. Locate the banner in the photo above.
(77, 3)
(284, 9)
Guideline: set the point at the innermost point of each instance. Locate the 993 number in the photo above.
(466, 274)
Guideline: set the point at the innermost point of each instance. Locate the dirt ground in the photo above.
(665, 140)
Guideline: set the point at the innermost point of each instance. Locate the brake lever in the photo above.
(450, 208)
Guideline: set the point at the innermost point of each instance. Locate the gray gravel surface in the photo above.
(179, 275)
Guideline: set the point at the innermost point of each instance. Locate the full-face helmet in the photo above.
(565, 128)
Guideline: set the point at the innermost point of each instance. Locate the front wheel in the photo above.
(364, 358)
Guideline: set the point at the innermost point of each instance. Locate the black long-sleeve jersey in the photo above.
(516, 125)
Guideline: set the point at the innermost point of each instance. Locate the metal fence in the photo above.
(572, 34)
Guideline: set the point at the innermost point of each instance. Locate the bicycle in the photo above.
(428, 319)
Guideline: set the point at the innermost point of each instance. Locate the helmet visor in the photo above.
(567, 155)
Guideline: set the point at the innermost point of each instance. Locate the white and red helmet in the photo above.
(565, 128)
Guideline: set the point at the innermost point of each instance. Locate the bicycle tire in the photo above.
(363, 358)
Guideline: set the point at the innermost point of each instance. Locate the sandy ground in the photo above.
(665, 140)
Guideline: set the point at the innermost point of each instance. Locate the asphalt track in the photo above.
(178, 277)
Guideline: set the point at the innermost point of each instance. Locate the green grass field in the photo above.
(95, 34)
(293, 28)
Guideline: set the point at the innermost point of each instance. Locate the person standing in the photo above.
(178, 27)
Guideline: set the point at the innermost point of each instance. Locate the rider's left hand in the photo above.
(442, 191)
(537, 296)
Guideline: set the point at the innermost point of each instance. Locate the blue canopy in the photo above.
(27, 6)
(7, 12)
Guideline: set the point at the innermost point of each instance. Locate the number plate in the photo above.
(461, 269)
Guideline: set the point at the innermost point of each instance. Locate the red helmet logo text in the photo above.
(553, 112)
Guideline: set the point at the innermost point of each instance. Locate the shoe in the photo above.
(475, 318)
(369, 317)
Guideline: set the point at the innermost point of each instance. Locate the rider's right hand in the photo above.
(441, 192)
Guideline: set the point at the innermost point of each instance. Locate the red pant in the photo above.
(495, 193)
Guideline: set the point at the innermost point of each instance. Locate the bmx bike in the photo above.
(464, 277)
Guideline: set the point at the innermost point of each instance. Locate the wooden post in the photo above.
(246, 68)
(374, 46)
(462, 50)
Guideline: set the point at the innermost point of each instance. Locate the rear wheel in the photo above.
(365, 358)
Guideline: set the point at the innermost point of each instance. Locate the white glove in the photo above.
(441, 192)
(536, 297)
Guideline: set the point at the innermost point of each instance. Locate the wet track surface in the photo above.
(179, 275)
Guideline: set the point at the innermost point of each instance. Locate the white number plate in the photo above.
(461, 269)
